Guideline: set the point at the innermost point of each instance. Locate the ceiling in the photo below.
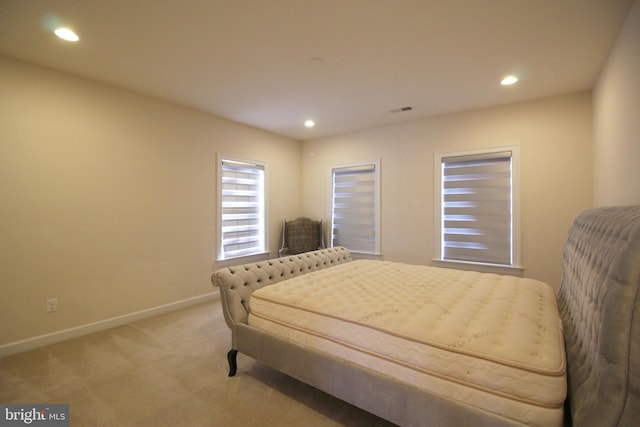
(346, 64)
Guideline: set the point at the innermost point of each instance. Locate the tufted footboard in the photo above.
(236, 284)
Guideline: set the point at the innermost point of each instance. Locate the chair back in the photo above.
(301, 235)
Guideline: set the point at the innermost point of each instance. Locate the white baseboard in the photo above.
(89, 328)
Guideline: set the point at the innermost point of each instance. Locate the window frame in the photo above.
(221, 256)
(515, 266)
(376, 251)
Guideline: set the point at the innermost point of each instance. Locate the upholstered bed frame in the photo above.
(599, 304)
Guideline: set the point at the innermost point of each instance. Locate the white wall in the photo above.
(108, 198)
(555, 139)
(617, 120)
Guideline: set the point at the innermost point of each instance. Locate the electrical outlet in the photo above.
(52, 305)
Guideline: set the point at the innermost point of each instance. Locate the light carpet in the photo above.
(169, 370)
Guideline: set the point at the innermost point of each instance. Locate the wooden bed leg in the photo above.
(233, 365)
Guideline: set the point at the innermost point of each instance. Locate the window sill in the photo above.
(365, 255)
(512, 270)
(243, 259)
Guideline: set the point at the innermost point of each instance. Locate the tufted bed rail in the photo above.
(599, 302)
(236, 284)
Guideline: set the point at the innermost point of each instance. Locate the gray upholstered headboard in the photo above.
(600, 308)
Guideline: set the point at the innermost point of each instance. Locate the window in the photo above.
(477, 207)
(355, 206)
(241, 208)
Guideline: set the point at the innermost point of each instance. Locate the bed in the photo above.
(420, 345)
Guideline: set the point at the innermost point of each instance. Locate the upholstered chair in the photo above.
(301, 235)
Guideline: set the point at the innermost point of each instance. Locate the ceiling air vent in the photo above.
(401, 110)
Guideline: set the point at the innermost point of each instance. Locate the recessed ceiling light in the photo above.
(509, 80)
(66, 34)
(309, 123)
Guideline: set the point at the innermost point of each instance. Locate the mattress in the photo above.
(493, 342)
